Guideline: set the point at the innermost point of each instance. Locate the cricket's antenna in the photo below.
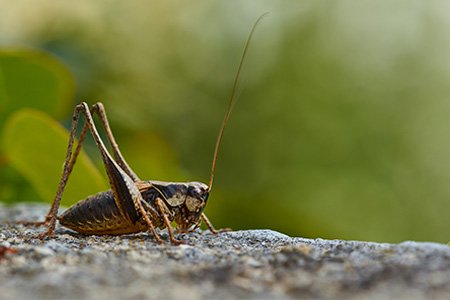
(231, 101)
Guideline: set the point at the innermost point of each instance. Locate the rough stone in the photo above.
(251, 264)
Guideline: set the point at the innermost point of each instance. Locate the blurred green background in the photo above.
(341, 129)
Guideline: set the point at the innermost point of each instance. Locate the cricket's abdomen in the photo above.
(99, 214)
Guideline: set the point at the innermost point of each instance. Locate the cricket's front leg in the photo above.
(161, 207)
(211, 227)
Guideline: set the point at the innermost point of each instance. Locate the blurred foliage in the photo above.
(29, 79)
(35, 80)
(35, 145)
(342, 123)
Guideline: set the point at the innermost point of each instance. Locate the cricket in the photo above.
(132, 205)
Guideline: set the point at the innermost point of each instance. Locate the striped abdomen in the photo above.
(99, 214)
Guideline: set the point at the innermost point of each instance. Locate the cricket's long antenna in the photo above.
(231, 101)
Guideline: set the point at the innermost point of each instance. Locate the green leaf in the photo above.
(33, 79)
(36, 145)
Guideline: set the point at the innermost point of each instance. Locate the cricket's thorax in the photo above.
(99, 214)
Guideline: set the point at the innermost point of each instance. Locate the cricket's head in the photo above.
(190, 211)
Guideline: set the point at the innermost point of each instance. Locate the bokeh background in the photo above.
(341, 129)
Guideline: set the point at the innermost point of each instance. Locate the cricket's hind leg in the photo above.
(69, 162)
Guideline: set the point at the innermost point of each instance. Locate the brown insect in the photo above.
(132, 205)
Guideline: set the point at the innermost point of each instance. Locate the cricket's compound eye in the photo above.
(197, 196)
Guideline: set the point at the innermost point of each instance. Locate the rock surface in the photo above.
(251, 264)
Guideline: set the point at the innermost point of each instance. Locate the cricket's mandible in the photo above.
(132, 205)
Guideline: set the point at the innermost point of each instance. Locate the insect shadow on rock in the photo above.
(132, 205)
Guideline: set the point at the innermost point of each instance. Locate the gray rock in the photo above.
(251, 264)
